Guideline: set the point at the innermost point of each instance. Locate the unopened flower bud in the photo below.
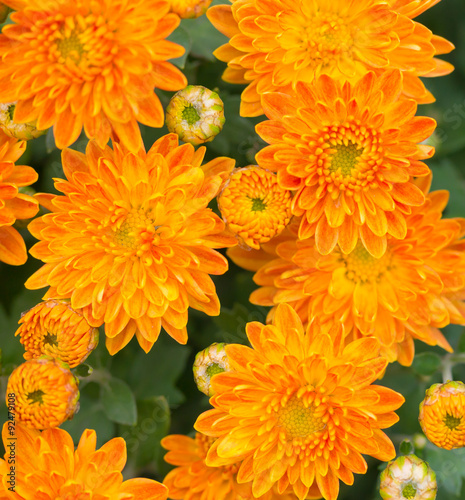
(442, 415)
(196, 114)
(209, 362)
(188, 9)
(408, 477)
(22, 131)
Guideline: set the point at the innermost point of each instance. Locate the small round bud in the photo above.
(196, 114)
(254, 206)
(189, 9)
(21, 131)
(209, 362)
(410, 478)
(46, 393)
(442, 415)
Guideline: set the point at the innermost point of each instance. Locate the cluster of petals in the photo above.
(45, 393)
(53, 328)
(75, 64)
(131, 240)
(276, 43)
(14, 205)
(298, 408)
(47, 467)
(349, 152)
(415, 288)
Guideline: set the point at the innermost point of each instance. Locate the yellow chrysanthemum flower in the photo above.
(14, 204)
(298, 409)
(196, 114)
(207, 363)
(254, 206)
(95, 66)
(130, 242)
(415, 288)
(53, 328)
(48, 467)
(188, 9)
(275, 44)
(442, 415)
(21, 131)
(349, 152)
(409, 478)
(46, 393)
(192, 479)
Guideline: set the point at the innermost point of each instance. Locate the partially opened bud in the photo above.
(254, 206)
(55, 329)
(408, 477)
(22, 131)
(442, 415)
(209, 362)
(188, 9)
(196, 114)
(45, 393)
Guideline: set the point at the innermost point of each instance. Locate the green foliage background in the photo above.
(142, 397)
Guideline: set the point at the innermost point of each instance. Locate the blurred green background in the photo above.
(142, 397)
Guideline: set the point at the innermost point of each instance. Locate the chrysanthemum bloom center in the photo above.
(299, 420)
(313, 38)
(71, 47)
(213, 369)
(362, 267)
(36, 396)
(348, 156)
(345, 158)
(254, 206)
(190, 114)
(452, 422)
(136, 230)
(409, 491)
(51, 339)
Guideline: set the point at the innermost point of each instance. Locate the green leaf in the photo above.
(181, 37)
(50, 141)
(426, 363)
(118, 402)
(143, 439)
(406, 447)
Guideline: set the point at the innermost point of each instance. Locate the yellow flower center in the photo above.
(190, 114)
(348, 157)
(36, 396)
(213, 369)
(361, 266)
(409, 491)
(345, 158)
(312, 37)
(452, 422)
(71, 47)
(298, 420)
(258, 205)
(137, 231)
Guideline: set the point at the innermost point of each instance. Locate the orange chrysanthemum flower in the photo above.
(95, 65)
(349, 152)
(131, 240)
(442, 415)
(45, 391)
(193, 479)
(274, 44)
(416, 287)
(48, 467)
(13, 204)
(254, 206)
(53, 328)
(299, 409)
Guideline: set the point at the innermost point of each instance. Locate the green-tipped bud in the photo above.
(408, 478)
(21, 131)
(209, 362)
(196, 114)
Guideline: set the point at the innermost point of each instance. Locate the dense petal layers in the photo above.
(95, 66)
(349, 152)
(276, 43)
(14, 205)
(415, 288)
(131, 240)
(298, 409)
(48, 467)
